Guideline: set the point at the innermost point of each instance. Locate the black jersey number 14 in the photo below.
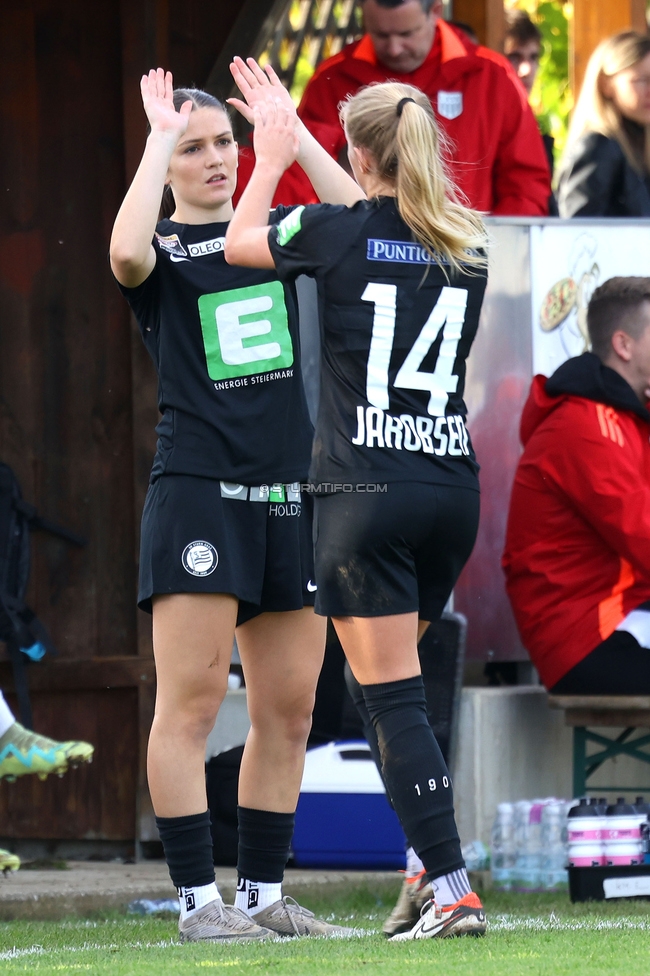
(447, 315)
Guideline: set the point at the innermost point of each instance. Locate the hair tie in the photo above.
(402, 102)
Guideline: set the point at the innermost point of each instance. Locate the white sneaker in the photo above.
(465, 917)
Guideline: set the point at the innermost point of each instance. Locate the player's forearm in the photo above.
(137, 217)
(248, 233)
(330, 181)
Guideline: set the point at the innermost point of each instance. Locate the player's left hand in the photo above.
(275, 138)
(257, 87)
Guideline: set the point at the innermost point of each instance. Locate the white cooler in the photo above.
(344, 819)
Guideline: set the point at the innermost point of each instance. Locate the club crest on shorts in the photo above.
(200, 558)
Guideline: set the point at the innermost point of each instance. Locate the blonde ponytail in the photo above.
(396, 124)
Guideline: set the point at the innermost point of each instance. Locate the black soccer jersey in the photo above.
(226, 346)
(396, 333)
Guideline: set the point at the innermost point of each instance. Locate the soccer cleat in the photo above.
(78, 752)
(414, 894)
(465, 917)
(23, 752)
(216, 922)
(287, 917)
(8, 862)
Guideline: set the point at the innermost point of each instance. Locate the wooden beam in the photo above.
(88, 673)
(593, 21)
(495, 24)
(474, 13)
(249, 36)
(486, 17)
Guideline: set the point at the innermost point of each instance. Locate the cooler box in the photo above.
(343, 819)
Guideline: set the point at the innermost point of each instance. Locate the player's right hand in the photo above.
(275, 139)
(258, 87)
(157, 90)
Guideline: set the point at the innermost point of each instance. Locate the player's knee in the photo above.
(193, 716)
(289, 719)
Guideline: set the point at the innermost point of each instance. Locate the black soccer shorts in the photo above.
(200, 535)
(392, 552)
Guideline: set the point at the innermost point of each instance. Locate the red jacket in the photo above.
(577, 556)
(498, 161)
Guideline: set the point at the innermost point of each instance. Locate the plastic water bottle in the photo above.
(528, 845)
(503, 847)
(554, 874)
(584, 830)
(622, 839)
(149, 906)
(643, 809)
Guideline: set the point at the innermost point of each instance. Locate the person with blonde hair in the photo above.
(401, 277)
(605, 171)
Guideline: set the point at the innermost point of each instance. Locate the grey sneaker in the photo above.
(414, 894)
(287, 917)
(216, 922)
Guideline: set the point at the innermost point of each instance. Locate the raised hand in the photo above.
(275, 139)
(157, 90)
(257, 87)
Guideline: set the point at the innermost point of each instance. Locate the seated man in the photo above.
(577, 555)
(496, 154)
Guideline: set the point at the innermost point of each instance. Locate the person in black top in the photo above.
(226, 534)
(605, 171)
(400, 277)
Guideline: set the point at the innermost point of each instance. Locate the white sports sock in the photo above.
(414, 865)
(192, 899)
(253, 896)
(450, 888)
(6, 717)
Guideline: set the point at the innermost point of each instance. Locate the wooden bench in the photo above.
(582, 712)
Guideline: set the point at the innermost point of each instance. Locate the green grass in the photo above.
(535, 935)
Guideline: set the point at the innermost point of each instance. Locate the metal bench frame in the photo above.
(581, 712)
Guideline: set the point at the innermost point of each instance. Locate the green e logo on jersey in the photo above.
(232, 321)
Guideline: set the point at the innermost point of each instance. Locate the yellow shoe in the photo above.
(8, 862)
(78, 752)
(23, 752)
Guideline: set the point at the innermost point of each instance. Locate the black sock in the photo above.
(415, 772)
(187, 844)
(356, 694)
(264, 842)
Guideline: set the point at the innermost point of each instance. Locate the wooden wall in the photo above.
(77, 392)
(593, 21)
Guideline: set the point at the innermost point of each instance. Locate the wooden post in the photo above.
(593, 21)
(485, 16)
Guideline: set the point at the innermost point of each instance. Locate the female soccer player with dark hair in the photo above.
(401, 278)
(226, 536)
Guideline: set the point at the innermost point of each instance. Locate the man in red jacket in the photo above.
(577, 556)
(497, 156)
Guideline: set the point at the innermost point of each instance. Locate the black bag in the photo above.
(222, 781)
(20, 628)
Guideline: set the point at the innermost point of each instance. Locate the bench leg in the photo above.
(579, 760)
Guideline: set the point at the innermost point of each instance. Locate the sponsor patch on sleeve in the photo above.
(290, 226)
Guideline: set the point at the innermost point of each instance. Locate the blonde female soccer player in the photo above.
(401, 278)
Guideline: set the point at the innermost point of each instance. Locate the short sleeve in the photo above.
(304, 242)
(144, 301)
